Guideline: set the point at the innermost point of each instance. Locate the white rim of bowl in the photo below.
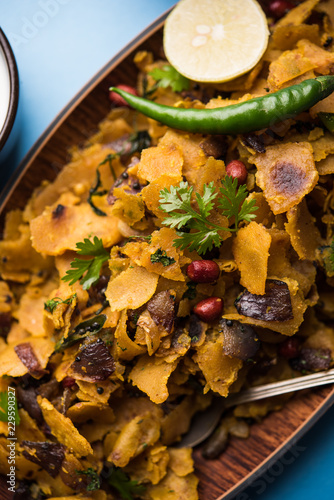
(13, 90)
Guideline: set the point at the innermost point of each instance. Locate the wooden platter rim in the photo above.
(273, 457)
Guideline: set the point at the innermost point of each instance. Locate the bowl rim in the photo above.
(13, 90)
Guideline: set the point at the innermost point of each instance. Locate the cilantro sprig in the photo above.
(167, 76)
(198, 232)
(127, 488)
(233, 203)
(87, 270)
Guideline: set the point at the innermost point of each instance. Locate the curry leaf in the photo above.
(4, 411)
(127, 488)
(139, 140)
(90, 326)
(109, 159)
(96, 191)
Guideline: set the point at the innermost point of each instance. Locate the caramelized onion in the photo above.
(274, 305)
(240, 341)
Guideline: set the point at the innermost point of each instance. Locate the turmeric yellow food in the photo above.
(161, 268)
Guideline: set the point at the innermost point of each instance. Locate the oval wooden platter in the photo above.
(244, 460)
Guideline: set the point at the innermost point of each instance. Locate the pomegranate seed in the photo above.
(237, 170)
(203, 271)
(68, 382)
(280, 7)
(289, 348)
(209, 309)
(118, 100)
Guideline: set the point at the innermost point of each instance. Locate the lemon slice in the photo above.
(215, 40)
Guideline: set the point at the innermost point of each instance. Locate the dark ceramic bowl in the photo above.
(9, 88)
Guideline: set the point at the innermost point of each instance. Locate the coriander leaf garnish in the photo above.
(162, 257)
(178, 198)
(94, 191)
(87, 270)
(178, 204)
(234, 203)
(51, 304)
(127, 488)
(94, 483)
(167, 76)
(201, 241)
(4, 412)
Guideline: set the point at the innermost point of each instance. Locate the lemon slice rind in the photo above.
(215, 40)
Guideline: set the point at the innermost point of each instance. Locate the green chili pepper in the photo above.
(248, 116)
(327, 119)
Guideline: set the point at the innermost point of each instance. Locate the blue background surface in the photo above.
(59, 45)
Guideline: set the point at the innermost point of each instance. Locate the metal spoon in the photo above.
(204, 423)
